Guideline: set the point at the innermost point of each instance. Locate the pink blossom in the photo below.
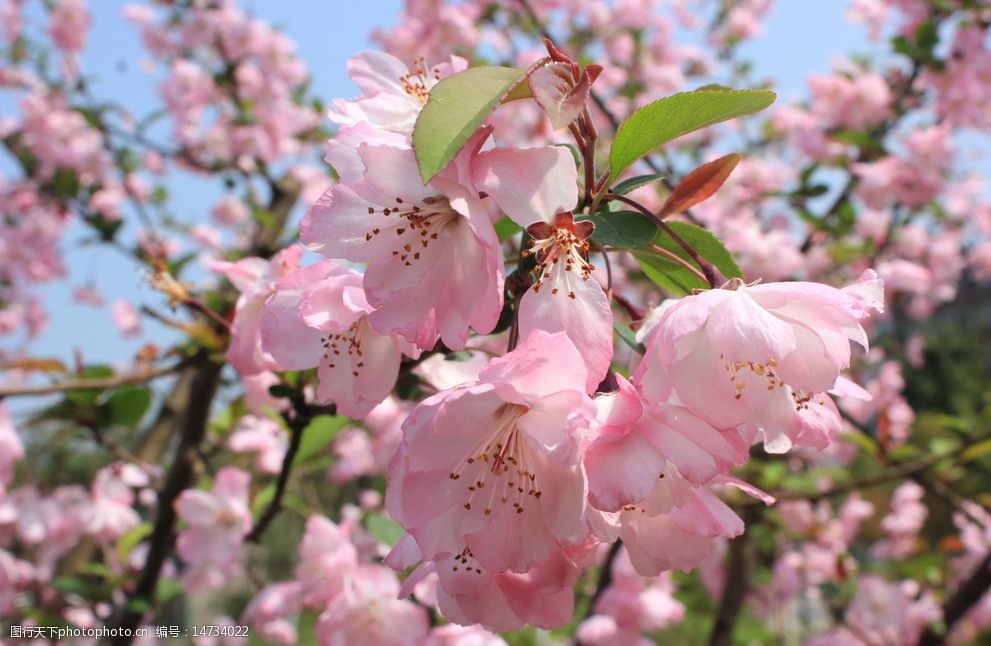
(637, 441)
(455, 635)
(126, 318)
(68, 24)
(11, 449)
(262, 436)
(217, 522)
(491, 468)
(326, 557)
(110, 513)
(760, 355)
(255, 278)
(630, 606)
(537, 188)
(903, 524)
(107, 202)
(858, 102)
(393, 94)
(368, 610)
(360, 452)
(270, 613)
(409, 234)
(872, 13)
(257, 397)
(884, 613)
(230, 211)
(15, 575)
(319, 316)
(87, 295)
(342, 151)
(541, 597)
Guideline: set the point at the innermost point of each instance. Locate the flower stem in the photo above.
(710, 273)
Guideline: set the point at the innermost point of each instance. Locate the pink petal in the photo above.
(530, 185)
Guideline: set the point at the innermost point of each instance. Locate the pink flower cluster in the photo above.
(230, 89)
(508, 482)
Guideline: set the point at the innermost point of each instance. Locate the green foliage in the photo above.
(623, 229)
(633, 183)
(505, 228)
(457, 107)
(672, 276)
(677, 115)
(126, 406)
(628, 336)
(318, 435)
(385, 531)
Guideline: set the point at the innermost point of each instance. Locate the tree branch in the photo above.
(92, 384)
(894, 472)
(960, 603)
(181, 476)
(605, 580)
(737, 582)
(297, 424)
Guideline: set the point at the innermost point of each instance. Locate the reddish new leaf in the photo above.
(699, 185)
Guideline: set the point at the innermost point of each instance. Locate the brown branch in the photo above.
(605, 580)
(91, 384)
(960, 602)
(297, 424)
(182, 475)
(895, 472)
(738, 567)
(185, 413)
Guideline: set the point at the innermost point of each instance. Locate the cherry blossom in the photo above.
(489, 471)
(763, 352)
(318, 316)
(537, 189)
(406, 231)
(218, 520)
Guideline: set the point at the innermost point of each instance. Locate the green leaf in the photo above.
(505, 228)
(127, 406)
(131, 539)
(633, 183)
(88, 397)
(624, 229)
(457, 106)
(976, 451)
(306, 628)
(674, 116)
(262, 499)
(575, 153)
(168, 588)
(675, 278)
(384, 530)
(628, 336)
(318, 435)
(667, 273)
(281, 391)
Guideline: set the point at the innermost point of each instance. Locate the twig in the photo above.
(192, 426)
(91, 384)
(673, 257)
(959, 604)
(711, 274)
(297, 425)
(605, 580)
(896, 472)
(737, 583)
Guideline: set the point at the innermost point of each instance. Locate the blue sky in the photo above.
(800, 36)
